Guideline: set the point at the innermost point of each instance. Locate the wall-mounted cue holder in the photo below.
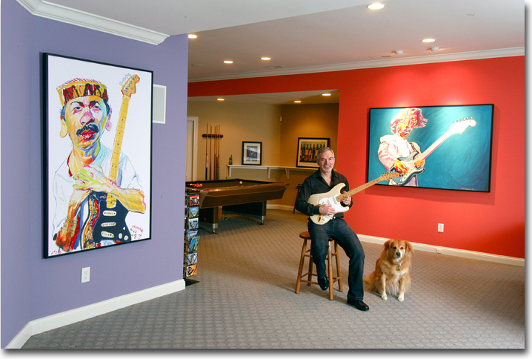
(212, 172)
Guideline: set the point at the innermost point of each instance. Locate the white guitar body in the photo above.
(329, 198)
(334, 197)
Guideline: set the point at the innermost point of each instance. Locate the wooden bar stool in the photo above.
(305, 252)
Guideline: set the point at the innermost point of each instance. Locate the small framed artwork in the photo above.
(251, 153)
(307, 150)
(441, 147)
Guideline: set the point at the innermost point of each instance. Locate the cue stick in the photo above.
(214, 157)
(218, 155)
(210, 153)
(206, 153)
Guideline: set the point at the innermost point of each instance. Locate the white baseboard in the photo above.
(452, 251)
(430, 248)
(75, 315)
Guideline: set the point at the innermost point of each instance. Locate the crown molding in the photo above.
(80, 18)
(389, 62)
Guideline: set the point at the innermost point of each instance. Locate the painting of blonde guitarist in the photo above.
(395, 152)
(323, 181)
(84, 216)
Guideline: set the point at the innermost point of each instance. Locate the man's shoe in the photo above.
(324, 283)
(360, 305)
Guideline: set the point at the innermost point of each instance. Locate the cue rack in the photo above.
(212, 139)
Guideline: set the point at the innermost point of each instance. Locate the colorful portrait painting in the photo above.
(97, 145)
(442, 147)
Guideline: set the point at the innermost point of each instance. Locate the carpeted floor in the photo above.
(245, 300)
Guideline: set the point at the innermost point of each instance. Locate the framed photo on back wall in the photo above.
(251, 153)
(307, 150)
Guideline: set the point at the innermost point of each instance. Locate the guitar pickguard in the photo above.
(111, 221)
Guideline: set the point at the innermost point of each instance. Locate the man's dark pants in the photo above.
(338, 229)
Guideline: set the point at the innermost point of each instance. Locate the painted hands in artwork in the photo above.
(92, 179)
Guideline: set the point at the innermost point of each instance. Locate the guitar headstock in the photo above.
(388, 176)
(130, 87)
(460, 125)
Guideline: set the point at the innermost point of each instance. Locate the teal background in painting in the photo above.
(462, 162)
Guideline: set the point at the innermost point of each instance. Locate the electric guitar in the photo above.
(108, 214)
(457, 127)
(335, 198)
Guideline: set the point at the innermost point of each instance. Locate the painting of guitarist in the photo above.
(96, 188)
(457, 139)
(395, 149)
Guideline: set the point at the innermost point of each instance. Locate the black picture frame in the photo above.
(251, 153)
(458, 139)
(83, 100)
(307, 150)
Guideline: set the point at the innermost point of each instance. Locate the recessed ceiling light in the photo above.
(375, 6)
(220, 99)
(428, 40)
(265, 58)
(434, 48)
(398, 52)
(274, 67)
(192, 36)
(228, 61)
(297, 101)
(326, 94)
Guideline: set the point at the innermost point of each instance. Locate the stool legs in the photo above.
(338, 269)
(330, 275)
(301, 263)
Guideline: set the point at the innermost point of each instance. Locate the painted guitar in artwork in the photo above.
(334, 197)
(107, 214)
(457, 127)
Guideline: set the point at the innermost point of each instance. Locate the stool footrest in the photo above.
(305, 253)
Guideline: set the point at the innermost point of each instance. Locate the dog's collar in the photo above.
(398, 267)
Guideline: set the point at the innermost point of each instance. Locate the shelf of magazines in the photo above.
(190, 257)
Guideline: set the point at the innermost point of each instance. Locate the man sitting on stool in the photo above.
(322, 181)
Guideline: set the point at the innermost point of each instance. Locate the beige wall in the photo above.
(260, 122)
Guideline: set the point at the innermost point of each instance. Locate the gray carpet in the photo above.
(245, 300)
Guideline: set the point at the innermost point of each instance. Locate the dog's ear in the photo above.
(388, 243)
(409, 247)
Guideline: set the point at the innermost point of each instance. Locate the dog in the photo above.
(392, 270)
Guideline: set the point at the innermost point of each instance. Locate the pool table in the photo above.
(235, 196)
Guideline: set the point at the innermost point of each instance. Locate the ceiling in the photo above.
(303, 36)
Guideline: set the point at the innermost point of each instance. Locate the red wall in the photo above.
(484, 222)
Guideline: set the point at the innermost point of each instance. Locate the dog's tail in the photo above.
(369, 282)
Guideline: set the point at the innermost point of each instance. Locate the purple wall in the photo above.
(33, 287)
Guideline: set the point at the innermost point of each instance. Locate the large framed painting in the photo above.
(442, 147)
(97, 155)
(307, 150)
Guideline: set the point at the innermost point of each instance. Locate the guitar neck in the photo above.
(118, 138)
(435, 145)
(340, 197)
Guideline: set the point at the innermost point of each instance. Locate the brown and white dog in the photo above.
(392, 270)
